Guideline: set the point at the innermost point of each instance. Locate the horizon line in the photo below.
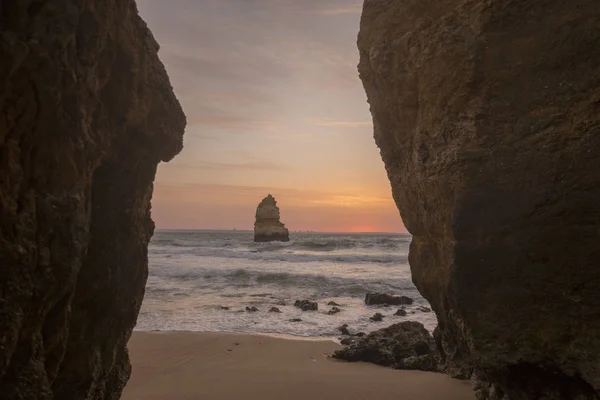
(251, 230)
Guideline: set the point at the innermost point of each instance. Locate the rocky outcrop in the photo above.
(267, 227)
(407, 345)
(372, 299)
(86, 114)
(487, 115)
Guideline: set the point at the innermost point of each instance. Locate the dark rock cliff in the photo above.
(86, 114)
(487, 114)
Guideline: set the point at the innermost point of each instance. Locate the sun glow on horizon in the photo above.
(362, 229)
(274, 105)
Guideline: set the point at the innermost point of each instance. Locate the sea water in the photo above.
(193, 275)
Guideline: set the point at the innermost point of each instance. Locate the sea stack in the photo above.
(267, 227)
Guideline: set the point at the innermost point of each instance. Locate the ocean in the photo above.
(193, 275)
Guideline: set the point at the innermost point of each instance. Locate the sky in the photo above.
(274, 105)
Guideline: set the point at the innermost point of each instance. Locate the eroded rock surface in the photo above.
(268, 227)
(487, 115)
(86, 114)
(406, 345)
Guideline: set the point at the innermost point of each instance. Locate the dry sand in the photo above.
(214, 366)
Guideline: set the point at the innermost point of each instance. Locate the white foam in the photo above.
(192, 274)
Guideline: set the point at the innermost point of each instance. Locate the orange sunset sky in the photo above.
(274, 105)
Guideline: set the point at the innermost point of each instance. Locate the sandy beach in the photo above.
(213, 366)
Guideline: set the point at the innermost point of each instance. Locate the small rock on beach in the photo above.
(334, 310)
(372, 299)
(306, 305)
(377, 317)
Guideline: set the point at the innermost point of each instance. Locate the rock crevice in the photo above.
(487, 115)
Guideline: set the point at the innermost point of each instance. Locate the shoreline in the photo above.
(224, 365)
(283, 336)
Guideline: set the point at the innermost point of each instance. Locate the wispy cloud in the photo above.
(298, 198)
(220, 118)
(227, 206)
(231, 121)
(339, 11)
(351, 201)
(256, 76)
(342, 124)
(264, 165)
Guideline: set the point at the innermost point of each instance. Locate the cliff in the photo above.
(86, 114)
(487, 115)
(267, 226)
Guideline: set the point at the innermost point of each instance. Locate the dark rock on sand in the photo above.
(489, 128)
(251, 309)
(347, 340)
(424, 309)
(406, 345)
(377, 317)
(333, 303)
(306, 305)
(224, 308)
(334, 310)
(401, 312)
(295, 320)
(372, 299)
(86, 114)
(274, 309)
(359, 334)
(344, 329)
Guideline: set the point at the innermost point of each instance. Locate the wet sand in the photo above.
(214, 366)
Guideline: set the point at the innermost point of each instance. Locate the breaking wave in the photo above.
(343, 249)
(242, 278)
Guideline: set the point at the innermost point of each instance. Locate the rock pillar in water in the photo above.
(268, 227)
(86, 114)
(487, 115)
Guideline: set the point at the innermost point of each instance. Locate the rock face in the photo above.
(267, 227)
(86, 114)
(407, 345)
(487, 115)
